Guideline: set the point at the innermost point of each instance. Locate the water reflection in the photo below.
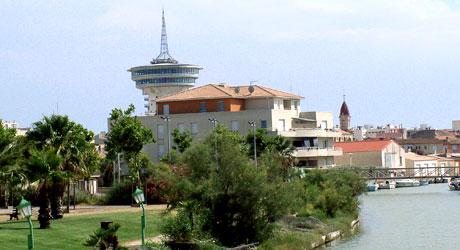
(426, 217)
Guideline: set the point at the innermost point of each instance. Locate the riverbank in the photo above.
(288, 236)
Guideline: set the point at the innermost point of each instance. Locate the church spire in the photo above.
(164, 56)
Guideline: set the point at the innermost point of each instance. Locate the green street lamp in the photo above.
(139, 198)
(25, 209)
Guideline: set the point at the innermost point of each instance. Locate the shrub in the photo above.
(229, 198)
(178, 228)
(120, 194)
(328, 192)
(83, 197)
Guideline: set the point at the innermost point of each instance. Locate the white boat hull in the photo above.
(407, 183)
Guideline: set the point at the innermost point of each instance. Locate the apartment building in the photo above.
(235, 106)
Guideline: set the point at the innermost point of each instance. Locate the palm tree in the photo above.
(72, 142)
(10, 152)
(44, 166)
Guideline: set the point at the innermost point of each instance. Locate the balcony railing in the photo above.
(317, 151)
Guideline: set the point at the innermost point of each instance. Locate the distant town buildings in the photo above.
(14, 125)
(386, 153)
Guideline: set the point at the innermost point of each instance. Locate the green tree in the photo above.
(44, 166)
(11, 173)
(226, 196)
(182, 140)
(128, 136)
(262, 142)
(73, 143)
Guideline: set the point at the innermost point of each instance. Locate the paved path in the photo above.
(84, 209)
(138, 242)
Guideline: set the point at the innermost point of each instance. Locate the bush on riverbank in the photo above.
(230, 198)
(327, 193)
(225, 197)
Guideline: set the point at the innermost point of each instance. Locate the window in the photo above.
(194, 128)
(166, 109)
(263, 124)
(234, 125)
(295, 105)
(161, 150)
(400, 161)
(435, 149)
(220, 106)
(324, 124)
(454, 147)
(202, 107)
(181, 127)
(281, 125)
(160, 131)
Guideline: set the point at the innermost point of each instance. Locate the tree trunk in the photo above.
(56, 193)
(44, 212)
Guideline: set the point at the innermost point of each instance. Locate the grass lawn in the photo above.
(72, 231)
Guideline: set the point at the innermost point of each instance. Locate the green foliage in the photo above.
(269, 145)
(179, 227)
(120, 194)
(30, 194)
(83, 197)
(127, 134)
(45, 166)
(70, 140)
(102, 238)
(182, 140)
(326, 193)
(231, 199)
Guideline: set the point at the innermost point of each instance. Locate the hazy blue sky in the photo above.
(397, 61)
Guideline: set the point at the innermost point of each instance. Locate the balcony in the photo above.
(309, 132)
(317, 151)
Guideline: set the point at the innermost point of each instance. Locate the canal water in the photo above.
(426, 217)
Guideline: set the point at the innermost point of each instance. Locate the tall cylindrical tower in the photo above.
(164, 75)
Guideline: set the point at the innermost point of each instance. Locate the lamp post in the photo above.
(25, 209)
(138, 196)
(214, 127)
(253, 125)
(167, 119)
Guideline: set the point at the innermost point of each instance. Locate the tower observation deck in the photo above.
(164, 75)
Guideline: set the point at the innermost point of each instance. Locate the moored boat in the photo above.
(372, 186)
(387, 185)
(407, 183)
(454, 184)
(424, 183)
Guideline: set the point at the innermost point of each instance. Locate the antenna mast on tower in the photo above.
(164, 56)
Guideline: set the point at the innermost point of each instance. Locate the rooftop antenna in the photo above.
(164, 56)
(250, 82)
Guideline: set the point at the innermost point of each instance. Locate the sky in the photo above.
(397, 61)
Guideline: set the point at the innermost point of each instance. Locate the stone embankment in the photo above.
(334, 235)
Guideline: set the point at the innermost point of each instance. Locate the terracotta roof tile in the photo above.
(224, 91)
(362, 146)
(416, 157)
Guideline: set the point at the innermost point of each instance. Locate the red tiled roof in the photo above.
(362, 146)
(224, 91)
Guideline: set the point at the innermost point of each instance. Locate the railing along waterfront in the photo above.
(379, 173)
